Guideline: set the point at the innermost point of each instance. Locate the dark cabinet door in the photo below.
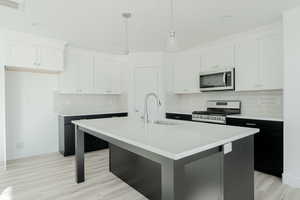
(67, 134)
(269, 151)
(268, 144)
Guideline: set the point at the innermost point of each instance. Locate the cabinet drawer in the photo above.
(179, 116)
(251, 123)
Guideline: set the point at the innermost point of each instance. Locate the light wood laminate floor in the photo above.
(51, 177)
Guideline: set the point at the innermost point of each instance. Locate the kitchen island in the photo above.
(175, 160)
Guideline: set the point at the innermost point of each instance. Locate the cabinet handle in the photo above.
(250, 124)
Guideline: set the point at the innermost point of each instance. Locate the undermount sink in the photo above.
(164, 122)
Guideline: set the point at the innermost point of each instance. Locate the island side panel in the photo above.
(186, 179)
(140, 173)
(238, 171)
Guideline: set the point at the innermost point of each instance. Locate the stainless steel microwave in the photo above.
(218, 80)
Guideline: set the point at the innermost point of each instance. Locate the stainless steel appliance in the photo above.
(218, 80)
(217, 111)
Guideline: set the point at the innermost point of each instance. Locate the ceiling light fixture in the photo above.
(126, 17)
(172, 44)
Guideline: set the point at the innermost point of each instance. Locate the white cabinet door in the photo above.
(69, 78)
(271, 62)
(51, 58)
(21, 55)
(218, 56)
(107, 76)
(247, 65)
(78, 74)
(186, 73)
(86, 72)
(259, 64)
(102, 75)
(116, 77)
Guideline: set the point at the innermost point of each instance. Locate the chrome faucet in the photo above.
(146, 112)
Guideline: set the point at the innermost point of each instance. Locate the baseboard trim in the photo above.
(291, 180)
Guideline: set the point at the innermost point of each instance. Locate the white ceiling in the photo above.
(97, 24)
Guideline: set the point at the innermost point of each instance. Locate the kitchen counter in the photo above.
(169, 161)
(172, 141)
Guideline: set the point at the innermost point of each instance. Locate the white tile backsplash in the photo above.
(74, 103)
(255, 103)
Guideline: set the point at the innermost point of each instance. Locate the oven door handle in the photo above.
(224, 79)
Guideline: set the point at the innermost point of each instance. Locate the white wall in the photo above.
(2, 108)
(32, 125)
(2, 118)
(292, 97)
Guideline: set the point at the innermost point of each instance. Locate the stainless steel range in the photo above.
(217, 111)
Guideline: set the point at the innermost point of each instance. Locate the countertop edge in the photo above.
(172, 156)
(87, 114)
(262, 118)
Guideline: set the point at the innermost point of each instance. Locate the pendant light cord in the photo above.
(126, 35)
(172, 15)
(126, 17)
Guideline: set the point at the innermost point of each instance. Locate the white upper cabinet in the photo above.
(21, 54)
(247, 75)
(271, 62)
(259, 63)
(88, 72)
(33, 52)
(51, 58)
(107, 75)
(78, 74)
(217, 56)
(186, 73)
(68, 80)
(116, 77)
(85, 69)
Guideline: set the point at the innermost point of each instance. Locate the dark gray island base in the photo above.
(208, 175)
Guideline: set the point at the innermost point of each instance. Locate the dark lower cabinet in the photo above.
(67, 134)
(268, 144)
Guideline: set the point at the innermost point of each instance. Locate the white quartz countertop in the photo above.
(70, 114)
(256, 117)
(171, 141)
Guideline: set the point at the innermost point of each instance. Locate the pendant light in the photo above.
(172, 44)
(126, 17)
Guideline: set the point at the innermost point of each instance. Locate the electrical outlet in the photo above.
(20, 145)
